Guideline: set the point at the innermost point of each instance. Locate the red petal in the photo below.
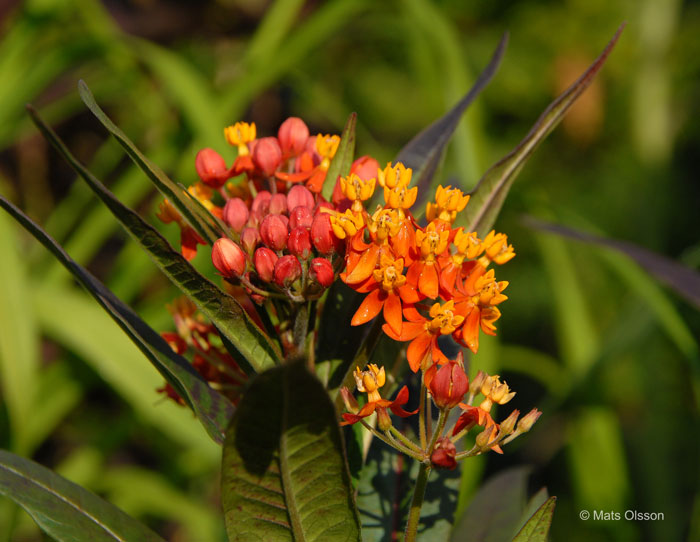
(392, 312)
(369, 308)
(401, 399)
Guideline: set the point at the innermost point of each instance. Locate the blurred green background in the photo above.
(609, 356)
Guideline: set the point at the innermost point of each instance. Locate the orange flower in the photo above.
(424, 272)
(476, 416)
(424, 332)
(326, 147)
(467, 247)
(385, 287)
(369, 382)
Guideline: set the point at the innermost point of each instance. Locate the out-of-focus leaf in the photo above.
(340, 165)
(19, 336)
(199, 221)
(495, 511)
(222, 309)
(64, 510)
(535, 502)
(424, 151)
(489, 195)
(284, 472)
(683, 280)
(271, 31)
(537, 528)
(211, 407)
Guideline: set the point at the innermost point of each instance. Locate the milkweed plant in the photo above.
(321, 256)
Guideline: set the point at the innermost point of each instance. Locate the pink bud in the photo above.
(287, 270)
(321, 271)
(278, 204)
(300, 216)
(365, 167)
(265, 260)
(261, 203)
(299, 243)
(267, 155)
(293, 134)
(322, 235)
(300, 195)
(285, 220)
(236, 214)
(250, 239)
(274, 232)
(228, 258)
(211, 168)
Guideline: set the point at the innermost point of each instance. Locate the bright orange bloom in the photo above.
(189, 238)
(240, 135)
(369, 382)
(448, 202)
(496, 249)
(424, 272)
(423, 332)
(468, 246)
(326, 147)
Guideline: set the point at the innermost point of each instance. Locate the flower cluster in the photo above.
(210, 359)
(427, 281)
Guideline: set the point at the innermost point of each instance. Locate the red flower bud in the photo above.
(287, 270)
(236, 214)
(321, 271)
(300, 217)
(300, 195)
(274, 232)
(265, 260)
(278, 204)
(443, 457)
(267, 155)
(261, 204)
(448, 385)
(365, 167)
(228, 258)
(211, 168)
(250, 237)
(293, 134)
(322, 235)
(299, 243)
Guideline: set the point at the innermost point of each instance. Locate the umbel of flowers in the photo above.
(285, 244)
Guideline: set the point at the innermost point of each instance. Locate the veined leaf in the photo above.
(284, 476)
(194, 216)
(340, 165)
(685, 281)
(64, 510)
(537, 527)
(424, 151)
(212, 408)
(223, 310)
(488, 196)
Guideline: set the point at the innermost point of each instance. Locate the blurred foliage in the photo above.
(608, 355)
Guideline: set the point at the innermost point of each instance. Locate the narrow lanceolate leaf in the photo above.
(253, 345)
(488, 196)
(284, 475)
(200, 221)
(64, 510)
(537, 527)
(340, 165)
(424, 151)
(212, 408)
(685, 281)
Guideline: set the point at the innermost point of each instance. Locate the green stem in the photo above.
(417, 503)
(407, 441)
(421, 416)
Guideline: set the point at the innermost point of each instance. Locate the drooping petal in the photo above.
(409, 331)
(392, 312)
(363, 413)
(435, 352)
(417, 350)
(293, 177)
(369, 308)
(401, 399)
(409, 294)
(365, 266)
(428, 281)
(470, 330)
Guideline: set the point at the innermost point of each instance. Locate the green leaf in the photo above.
(685, 281)
(495, 510)
(64, 510)
(200, 221)
(284, 472)
(489, 195)
(424, 151)
(212, 408)
(537, 527)
(222, 309)
(340, 165)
